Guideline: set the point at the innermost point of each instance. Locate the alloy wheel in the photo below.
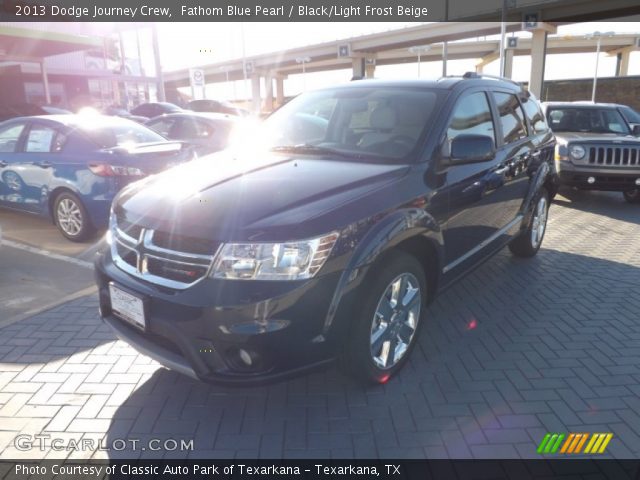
(539, 224)
(69, 217)
(395, 321)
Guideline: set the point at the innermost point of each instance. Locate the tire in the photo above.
(369, 339)
(528, 243)
(632, 196)
(71, 217)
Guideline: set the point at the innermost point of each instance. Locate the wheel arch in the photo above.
(412, 231)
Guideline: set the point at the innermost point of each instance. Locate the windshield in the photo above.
(593, 120)
(630, 114)
(383, 123)
(121, 134)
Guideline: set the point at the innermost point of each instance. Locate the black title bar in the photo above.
(315, 10)
(547, 469)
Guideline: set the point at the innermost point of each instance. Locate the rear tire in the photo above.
(384, 332)
(71, 218)
(632, 196)
(528, 243)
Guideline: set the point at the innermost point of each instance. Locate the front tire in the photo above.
(528, 242)
(71, 217)
(632, 196)
(385, 331)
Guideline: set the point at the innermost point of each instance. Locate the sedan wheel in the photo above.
(71, 217)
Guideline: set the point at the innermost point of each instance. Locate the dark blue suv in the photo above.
(326, 234)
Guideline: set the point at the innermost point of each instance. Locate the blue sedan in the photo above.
(70, 167)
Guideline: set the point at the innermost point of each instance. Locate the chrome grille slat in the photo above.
(142, 258)
(611, 156)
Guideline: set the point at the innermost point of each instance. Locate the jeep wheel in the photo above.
(528, 242)
(384, 333)
(632, 196)
(72, 218)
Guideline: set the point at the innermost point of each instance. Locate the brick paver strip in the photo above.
(555, 348)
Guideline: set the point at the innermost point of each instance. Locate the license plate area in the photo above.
(128, 306)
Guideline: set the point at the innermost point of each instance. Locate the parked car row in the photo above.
(324, 234)
(140, 113)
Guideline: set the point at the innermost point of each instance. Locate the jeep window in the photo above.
(592, 120)
(535, 115)
(378, 123)
(629, 114)
(511, 117)
(472, 115)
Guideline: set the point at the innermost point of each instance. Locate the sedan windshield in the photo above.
(378, 123)
(592, 120)
(120, 134)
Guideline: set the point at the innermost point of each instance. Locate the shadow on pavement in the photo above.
(608, 204)
(517, 349)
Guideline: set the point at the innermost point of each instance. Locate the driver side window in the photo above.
(471, 116)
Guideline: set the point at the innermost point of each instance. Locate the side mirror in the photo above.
(471, 148)
(636, 130)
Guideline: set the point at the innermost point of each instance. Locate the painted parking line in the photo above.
(46, 253)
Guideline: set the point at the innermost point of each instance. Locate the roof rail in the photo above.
(494, 77)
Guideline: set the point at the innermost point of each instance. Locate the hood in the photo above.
(275, 198)
(589, 137)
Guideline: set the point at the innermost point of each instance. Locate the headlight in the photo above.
(577, 151)
(274, 261)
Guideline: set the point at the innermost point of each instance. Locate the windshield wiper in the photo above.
(306, 148)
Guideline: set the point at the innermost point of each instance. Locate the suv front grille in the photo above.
(618, 156)
(169, 260)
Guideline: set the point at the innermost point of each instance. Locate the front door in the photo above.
(479, 209)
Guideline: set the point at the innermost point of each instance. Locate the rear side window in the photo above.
(9, 137)
(471, 116)
(511, 117)
(535, 115)
(43, 139)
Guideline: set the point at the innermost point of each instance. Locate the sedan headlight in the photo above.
(577, 151)
(274, 261)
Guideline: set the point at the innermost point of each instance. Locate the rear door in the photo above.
(12, 185)
(38, 161)
(516, 147)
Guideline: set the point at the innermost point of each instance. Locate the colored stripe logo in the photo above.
(573, 443)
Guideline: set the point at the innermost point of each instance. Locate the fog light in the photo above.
(638, 182)
(591, 180)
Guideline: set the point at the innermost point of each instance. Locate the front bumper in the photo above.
(606, 179)
(201, 330)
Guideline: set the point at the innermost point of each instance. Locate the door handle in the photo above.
(502, 170)
(3, 164)
(43, 164)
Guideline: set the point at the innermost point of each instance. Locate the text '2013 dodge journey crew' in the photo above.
(327, 234)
